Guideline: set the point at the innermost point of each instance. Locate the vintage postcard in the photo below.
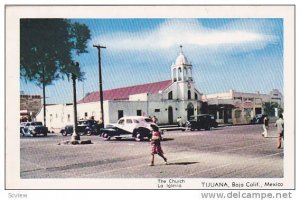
(150, 97)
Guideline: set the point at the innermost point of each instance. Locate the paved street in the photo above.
(226, 152)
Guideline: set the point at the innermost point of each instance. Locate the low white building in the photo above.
(166, 100)
(240, 107)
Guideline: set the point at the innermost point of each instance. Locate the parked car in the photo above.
(112, 131)
(138, 127)
(33, 129)
(202, 121)
(258, 119)
(22, 126)
(84, 127)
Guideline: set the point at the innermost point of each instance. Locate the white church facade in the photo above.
(166, 100)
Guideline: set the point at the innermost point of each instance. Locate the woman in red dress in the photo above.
(155, 145)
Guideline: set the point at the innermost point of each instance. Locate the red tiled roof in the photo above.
(123, 93)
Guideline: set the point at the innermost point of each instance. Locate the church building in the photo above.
(167, 100)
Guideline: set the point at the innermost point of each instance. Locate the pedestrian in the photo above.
(280, 130)
(154, 119)
(179, 121)
(265, 126)
(155, 145)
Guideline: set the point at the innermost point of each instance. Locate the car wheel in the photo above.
(45, 134)
(138, 137)
(105, 135)
(32, 134)
(89, 133)
(64, 133)
(108, 138)
(207, 128)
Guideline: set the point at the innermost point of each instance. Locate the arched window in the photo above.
(179, 74)
(185, 73)
(196, 96)
(174, 75)
(189, 94)
(170, 95)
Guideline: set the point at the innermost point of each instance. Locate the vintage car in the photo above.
(33, 129)
(84, 127)
(202, 121)
(137, 127)
(22, 126)
(258, 119)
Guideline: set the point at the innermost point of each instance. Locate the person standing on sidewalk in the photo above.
(155, 145)
(265, 126)
(280, 130)
(179, 121)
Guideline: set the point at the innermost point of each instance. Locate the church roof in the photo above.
(123, 93)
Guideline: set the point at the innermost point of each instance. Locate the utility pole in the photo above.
(44, 96)
(44, 102)
(100, 83)
(75, 135)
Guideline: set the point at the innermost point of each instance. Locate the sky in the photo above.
(241, 54)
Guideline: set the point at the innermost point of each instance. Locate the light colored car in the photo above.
(22, 126)
(139, 127)
(33, 129)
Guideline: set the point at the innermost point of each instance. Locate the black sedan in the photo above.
(202, 121)
(84, 127)
(258, 119)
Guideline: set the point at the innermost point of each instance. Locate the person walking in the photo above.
(155, 145)
(154, 119)
(280, 130)
(265, 126)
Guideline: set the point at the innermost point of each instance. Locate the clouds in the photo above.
(225, 53)
(190, 32)
(241, 54)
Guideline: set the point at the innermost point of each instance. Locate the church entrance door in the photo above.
(190, 110)
(170, 114)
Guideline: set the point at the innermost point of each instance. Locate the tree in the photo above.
(269, 108)
(47, 48)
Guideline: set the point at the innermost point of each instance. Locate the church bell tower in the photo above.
(182, 75)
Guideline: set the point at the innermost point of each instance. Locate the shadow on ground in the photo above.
(132, 139)
(167, 139)
(182, 163)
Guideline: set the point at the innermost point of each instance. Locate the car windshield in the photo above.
(82, 122)
(148, 120)
(121, 121)
(37, 123)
